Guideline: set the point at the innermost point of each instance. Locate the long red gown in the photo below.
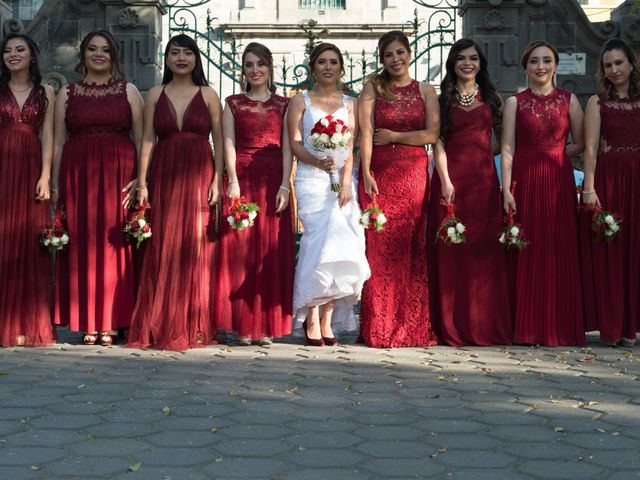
(25, 267)
(395, 300)
(255, 286)
(548, 299)
(468, 285)
(175, 298)
(612, 288)
(95, 288)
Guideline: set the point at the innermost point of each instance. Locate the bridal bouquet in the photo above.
(242, 214)
(512, 235)
(55, 236)
(452, 231)
(137, 228)
(330, 136)
(605, 225)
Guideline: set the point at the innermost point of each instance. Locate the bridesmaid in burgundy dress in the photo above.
(256, 265)
(468, 283)
(98, 125)
(398, 117)
(26, 148)
(174, 309)
(535, 155)
(612, 169)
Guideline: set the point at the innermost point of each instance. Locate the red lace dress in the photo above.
(395, 300)
(612, 293)
(468, 283)
(25, 267)
(548, 300)
(94, 279)
(175, 300)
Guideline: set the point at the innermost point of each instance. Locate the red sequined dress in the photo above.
(395, 300)
(175, 298)
(255, 286)
(94, 280)
(548, 299)
(612, 292)
(468, 283)
(25, 267)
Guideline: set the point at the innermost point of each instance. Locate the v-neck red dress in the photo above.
(25, 267)
(174, 305)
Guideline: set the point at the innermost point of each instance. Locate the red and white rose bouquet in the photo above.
(330, 137)
(55, 237)
(452, 231)
(242, 214)
(605, 224)
(512, 235)
(373, 218)
(137, 228)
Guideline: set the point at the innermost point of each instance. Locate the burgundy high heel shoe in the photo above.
(330, 341)
(312, 342)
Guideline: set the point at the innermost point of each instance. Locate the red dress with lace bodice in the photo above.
(548, 300)
(612, 290)
(175, 297)
(255, 287)
(25, 267)
(94, 279)
(395, 300)
(468, 283)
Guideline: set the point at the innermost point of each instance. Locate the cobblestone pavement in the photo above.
(294, 412)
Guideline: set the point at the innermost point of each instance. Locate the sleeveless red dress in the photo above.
(95, 288)
(612, 291)
(25, 267)
(255, 286)
(175, 298)
(468, 285)
(548, 299)
(395, 300)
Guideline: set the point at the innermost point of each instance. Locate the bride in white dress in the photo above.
(332, 266)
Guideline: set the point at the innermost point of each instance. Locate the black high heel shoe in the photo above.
(312, 342)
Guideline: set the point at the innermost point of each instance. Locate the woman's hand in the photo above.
(282, 199)
(233, 189)
(590, 199)
(448, 192)
(509, 203)
(344, 196)
(370, 185)
(129, 191)
(383, 136)
(42, 189)
(142, 195)
(326, 164)
(213, 196)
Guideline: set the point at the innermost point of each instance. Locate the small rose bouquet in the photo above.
(373, 218)
(242, 214)
(330, 137)
(452, 231)
(137, 228)
(55, 236)
(605, 225)
(512, 235)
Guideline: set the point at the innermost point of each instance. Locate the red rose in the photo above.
(146, 228)
(373, 216)
(134, 226)
(244, 214)
(237, 218)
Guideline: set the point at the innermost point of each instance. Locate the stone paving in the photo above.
(293, 412)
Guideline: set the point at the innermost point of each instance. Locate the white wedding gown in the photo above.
(332, 262)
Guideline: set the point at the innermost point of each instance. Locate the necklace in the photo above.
(467, 99)
(19, 91)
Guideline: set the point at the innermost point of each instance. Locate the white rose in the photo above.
(336, 138)
(315, 136)
(382, 219)
(608, 233)
(147, 234)
(323, 139)
(142, 222)
(346, 136)
(324, 122)
(252, 215)
(514, 231)
(460, 228)
(47, 242)
(64, 238)
(230, 219)
(609, 219)
(245, 223)
(55, 241)
(614, 228)
(364, 220)
(502, 238)
(451, 232)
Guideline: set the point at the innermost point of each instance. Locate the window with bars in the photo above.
(26, 9)
(322, 4)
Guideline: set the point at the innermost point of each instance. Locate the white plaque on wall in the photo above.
(572, 64)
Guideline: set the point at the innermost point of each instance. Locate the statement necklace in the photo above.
(468, 99)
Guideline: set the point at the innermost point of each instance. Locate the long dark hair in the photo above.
(606, 88)
(117, 68)
(185, 41)
(264, 54)
(35, 77)
(382, 81)
(488, 90)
